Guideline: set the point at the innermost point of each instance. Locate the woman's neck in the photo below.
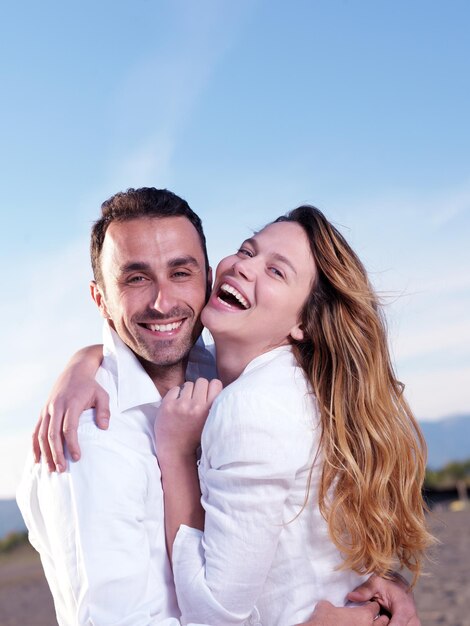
(230, 360)
(232, 357)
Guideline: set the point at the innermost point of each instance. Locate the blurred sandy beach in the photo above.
(443, 597)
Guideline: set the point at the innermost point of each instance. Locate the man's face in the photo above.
(154, 286)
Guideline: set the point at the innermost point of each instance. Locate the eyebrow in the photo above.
(183, 260)
(135, 266)
(140, 266)
(275, 255)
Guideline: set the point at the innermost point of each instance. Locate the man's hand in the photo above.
(394, 595)
(325, 614)
(74, 391)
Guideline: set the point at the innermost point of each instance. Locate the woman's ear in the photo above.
(297, 333)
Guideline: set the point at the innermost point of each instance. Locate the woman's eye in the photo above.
(245, 252)
(276, 272)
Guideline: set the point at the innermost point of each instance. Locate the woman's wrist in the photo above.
(171, 460)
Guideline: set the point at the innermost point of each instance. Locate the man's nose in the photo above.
(164, 299)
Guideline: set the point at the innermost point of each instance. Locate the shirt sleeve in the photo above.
(88, 525)
(251, 452)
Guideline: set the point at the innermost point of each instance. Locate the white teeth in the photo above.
(236, 294)
(165, 328)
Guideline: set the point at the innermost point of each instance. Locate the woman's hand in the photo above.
(74, 391)
(181, 418)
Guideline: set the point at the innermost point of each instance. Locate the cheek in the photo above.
(193, 296)
(225, 265)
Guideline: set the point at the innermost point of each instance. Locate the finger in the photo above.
(102, 413)
(44, 442)
(322, 606)
(215, 387)
(173, 393)
(364, 592)
(383, 620)
(186, 391)
(54, 436)
(373, 608)
(200, 390)
(70, 430)
(35, 441)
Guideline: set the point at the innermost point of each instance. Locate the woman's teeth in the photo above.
(236, 294)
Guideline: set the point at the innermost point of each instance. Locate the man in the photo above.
(99, 525)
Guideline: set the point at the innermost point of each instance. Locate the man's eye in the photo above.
(181, 274)
(136, 279)
(245, 252)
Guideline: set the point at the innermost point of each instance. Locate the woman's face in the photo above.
(259, 292)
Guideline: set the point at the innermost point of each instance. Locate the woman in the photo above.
(306, 452)
(309, 449)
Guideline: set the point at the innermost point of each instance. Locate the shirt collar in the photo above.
(268, 356)
(134, 385)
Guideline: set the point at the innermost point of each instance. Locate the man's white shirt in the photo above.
(99, 526)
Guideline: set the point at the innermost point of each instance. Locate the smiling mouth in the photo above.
(163, 328)
(231, 296)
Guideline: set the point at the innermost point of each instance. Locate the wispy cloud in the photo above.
(448, 207)
(153, 103)
(57, 316)
(150, 109)
(439, 393)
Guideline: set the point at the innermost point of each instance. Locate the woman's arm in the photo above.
(74, 391)
(251, 452)
(178, 428)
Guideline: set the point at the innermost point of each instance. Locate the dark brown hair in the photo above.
(137, 203)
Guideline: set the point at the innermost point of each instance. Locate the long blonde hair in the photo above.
(372, 450)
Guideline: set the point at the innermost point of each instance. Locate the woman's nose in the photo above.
(245, 268)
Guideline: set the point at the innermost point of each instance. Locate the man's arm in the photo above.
(326, 614)
(90, 526)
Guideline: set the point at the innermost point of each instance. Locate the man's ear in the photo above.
(98, 297)
(297, 333)
(209, 284)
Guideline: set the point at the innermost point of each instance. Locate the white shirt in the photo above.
(265, 556)
(99, 526)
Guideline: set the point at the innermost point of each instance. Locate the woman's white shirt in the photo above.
(265, 557)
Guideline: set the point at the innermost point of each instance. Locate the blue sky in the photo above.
(246, 109)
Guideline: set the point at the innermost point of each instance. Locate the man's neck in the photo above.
(164, 377)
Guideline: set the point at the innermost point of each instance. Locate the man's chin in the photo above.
(166, 354)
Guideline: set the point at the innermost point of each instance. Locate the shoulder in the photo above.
(273, 383)
(270, 405)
